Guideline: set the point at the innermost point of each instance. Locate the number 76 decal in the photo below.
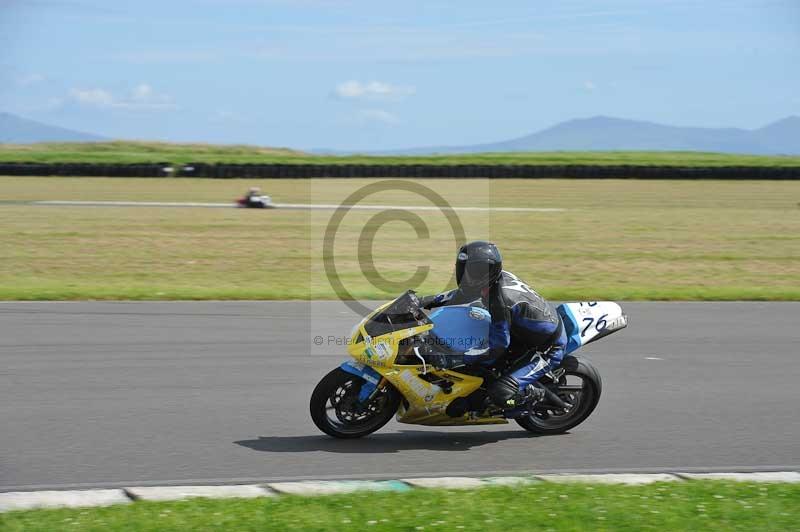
(599, 326)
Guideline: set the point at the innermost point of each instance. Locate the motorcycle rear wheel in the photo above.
(584, 399)
(336, 411)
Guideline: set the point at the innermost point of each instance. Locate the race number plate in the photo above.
(589, 320)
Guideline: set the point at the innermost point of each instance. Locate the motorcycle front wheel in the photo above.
(336, 410)
(580, 386)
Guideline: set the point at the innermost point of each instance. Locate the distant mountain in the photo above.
(782, 136)
(18, 130)
(602, 133)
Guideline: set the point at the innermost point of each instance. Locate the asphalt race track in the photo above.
(111, 394)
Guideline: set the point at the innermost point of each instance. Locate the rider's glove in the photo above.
(426, 302)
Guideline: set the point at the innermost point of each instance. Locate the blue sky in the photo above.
(354, 74)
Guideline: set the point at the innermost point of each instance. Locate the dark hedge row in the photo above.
(236, 171)
(84, 169)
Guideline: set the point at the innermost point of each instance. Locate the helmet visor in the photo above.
(478, 274)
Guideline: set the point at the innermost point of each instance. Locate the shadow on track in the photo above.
(407, 440)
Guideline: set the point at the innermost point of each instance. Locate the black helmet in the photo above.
(478, 265)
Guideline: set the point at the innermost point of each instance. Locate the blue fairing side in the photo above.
(571, 328)
(461, 328)
(370, 376)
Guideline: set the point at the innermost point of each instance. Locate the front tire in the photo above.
(584, 400)
(337, 412)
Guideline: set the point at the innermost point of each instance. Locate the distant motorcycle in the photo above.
(391, 373)
(255, 202)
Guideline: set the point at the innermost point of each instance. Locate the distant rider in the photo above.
(253, 196)
(519, 316)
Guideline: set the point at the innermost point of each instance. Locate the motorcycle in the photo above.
(255, 202)
(392, 373)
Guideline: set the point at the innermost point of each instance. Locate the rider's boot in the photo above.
(506, 393)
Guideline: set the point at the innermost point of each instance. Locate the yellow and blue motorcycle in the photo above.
(395, 349)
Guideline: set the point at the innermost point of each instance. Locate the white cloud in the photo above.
(373, 90)
(92, 97)
(142, 97)
(377, 115)
(589, 85)
(29, 79)
(142, 93)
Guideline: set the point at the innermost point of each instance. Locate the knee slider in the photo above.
(503, 389)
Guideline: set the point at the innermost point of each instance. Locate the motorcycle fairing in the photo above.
(426, 403)
(370, 376)
(461, 328)
(587, 321)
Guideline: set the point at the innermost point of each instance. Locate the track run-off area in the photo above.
(101, 394)
(301, 206)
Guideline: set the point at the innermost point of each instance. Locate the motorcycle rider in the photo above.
(521, 319)
(253, 195)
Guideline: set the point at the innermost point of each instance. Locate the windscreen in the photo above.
(403, 313)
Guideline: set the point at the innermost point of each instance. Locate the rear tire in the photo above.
(585, 401)
(336, 411)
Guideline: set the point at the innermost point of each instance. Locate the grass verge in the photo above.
(617, 239)
(695, 505)
(124, 152)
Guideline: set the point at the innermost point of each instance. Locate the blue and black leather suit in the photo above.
(521, 321)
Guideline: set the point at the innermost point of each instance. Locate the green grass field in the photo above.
(679, 506)
(631, 240)
(122, 152)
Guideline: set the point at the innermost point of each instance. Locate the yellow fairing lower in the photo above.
(427, 402)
